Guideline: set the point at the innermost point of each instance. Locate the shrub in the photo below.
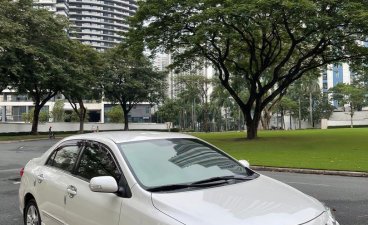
(115, 114)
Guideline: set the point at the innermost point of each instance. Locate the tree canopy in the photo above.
(82, 78)
(129, 79)
(34, 62)
(266, 45)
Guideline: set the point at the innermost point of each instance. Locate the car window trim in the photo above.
(68, 143)
(100, 145)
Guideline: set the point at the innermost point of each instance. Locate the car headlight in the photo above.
(330, 217)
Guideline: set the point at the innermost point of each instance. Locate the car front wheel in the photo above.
(32, 215)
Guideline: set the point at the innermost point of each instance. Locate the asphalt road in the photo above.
(348, 195)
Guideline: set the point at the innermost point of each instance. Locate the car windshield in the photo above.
(157, 163)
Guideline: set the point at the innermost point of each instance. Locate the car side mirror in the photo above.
(104, 184)
(245, 163)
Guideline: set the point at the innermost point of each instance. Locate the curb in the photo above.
(310, 171)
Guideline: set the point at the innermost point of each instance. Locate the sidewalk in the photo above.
(310, 171)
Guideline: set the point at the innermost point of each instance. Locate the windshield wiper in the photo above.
(171, 187)
(202, 183)
(223, 178)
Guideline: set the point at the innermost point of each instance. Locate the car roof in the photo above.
(128, 136)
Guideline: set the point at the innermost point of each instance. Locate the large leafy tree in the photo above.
(129, 79)
(169, 111)
(36, 63)
(10, 28)
(82, 76)
(267, 44)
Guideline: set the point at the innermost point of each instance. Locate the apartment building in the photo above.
(99, 22)
(59, 7)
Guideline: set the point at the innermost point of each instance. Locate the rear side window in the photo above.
(97, 161)
(64, 158)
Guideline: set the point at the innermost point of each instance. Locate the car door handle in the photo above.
(72, 191)
(40, 178)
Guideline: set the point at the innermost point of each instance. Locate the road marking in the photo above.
(18, 182)
(362, 216)
(10, 170)
(321, 185)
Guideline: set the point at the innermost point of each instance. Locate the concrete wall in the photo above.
(22, 127)
(332, 123)
(343, 119)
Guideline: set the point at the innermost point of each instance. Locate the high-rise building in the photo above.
(60, 7)
(99, 22)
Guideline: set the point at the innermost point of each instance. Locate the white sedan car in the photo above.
(145, 178)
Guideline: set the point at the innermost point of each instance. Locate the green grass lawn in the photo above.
(334, 149)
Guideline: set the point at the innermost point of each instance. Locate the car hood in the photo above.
(262, 201)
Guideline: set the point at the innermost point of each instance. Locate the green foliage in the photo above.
(308, 93)
(34, 62)
(58, 111)
(72, 116)
(128, 78)
(9, 39)
(44, 117)
(169, 111)
(28, 117)
(349, 94)
(193, 96)
(116, 114)
(322, 108)
(258, 46)
(82, 77)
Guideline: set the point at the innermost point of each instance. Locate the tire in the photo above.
(32, 214)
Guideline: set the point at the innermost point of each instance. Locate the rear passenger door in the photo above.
(87, 207)
(51, 182)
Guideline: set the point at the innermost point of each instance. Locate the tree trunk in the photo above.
(351, 116)
(126, 119)
(265, 119)
(311, 109)
(206, 127)
(82, 116)
(290, 126)
(252, 129)
(226, 125)
(282, 119)
(36, 115)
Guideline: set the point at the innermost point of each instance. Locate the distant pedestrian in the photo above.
(97, 129)
(51, 134)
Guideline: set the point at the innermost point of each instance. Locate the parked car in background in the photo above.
(148, 178)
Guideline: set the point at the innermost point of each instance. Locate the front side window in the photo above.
(64, 158)
(166, 162)
(97, 161)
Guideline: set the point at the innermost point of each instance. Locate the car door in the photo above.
(84, 207)
(51, 182)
